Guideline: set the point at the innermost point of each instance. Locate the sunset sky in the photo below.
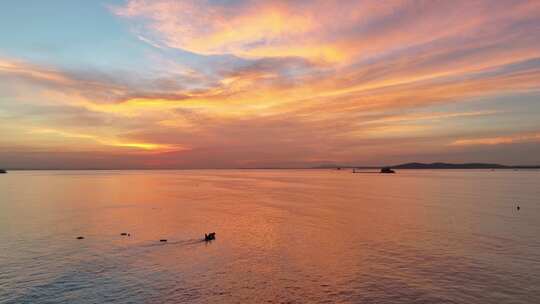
(227, 84)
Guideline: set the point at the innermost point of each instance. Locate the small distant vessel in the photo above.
(210, 236)
(387, 170)
(2, 171)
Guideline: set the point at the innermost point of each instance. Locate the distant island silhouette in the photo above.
(437, 165)
(449, 166)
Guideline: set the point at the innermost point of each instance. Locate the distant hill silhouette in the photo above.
(438, 165)
(449, 166)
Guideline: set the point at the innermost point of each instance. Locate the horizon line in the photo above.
(487, 166)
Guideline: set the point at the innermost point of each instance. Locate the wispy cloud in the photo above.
(499, 140)
(424, 117)
(327, 30)
(113, 142)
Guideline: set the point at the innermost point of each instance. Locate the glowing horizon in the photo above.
(202, 84)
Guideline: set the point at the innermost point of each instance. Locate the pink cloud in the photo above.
(333, 31)
(498, 140)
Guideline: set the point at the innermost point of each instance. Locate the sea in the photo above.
(282, 236)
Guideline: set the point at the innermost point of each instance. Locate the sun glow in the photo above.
(113, 142)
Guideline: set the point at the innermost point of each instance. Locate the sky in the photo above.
(248, 84)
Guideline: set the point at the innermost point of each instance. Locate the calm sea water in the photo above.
(283, 236)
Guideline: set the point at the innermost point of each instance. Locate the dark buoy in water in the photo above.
(80, 238)
(518, 207)
(163, 240)
(210, 236)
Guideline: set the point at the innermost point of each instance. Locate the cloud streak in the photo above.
(499, 140)
(145, 146)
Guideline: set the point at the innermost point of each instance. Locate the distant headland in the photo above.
(449, 166)
(438, 165)
(413, 165)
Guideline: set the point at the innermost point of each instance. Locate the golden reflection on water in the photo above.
(282, 235)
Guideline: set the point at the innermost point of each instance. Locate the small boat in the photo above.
(387, 170)
(210, 236)
(2, 171)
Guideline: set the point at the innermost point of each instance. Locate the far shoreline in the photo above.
(337, 168)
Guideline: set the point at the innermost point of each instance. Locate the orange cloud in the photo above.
(17, 68)
(429, 116)
(317, 30)
(113, 142)
(260, 30)
(500, 140)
